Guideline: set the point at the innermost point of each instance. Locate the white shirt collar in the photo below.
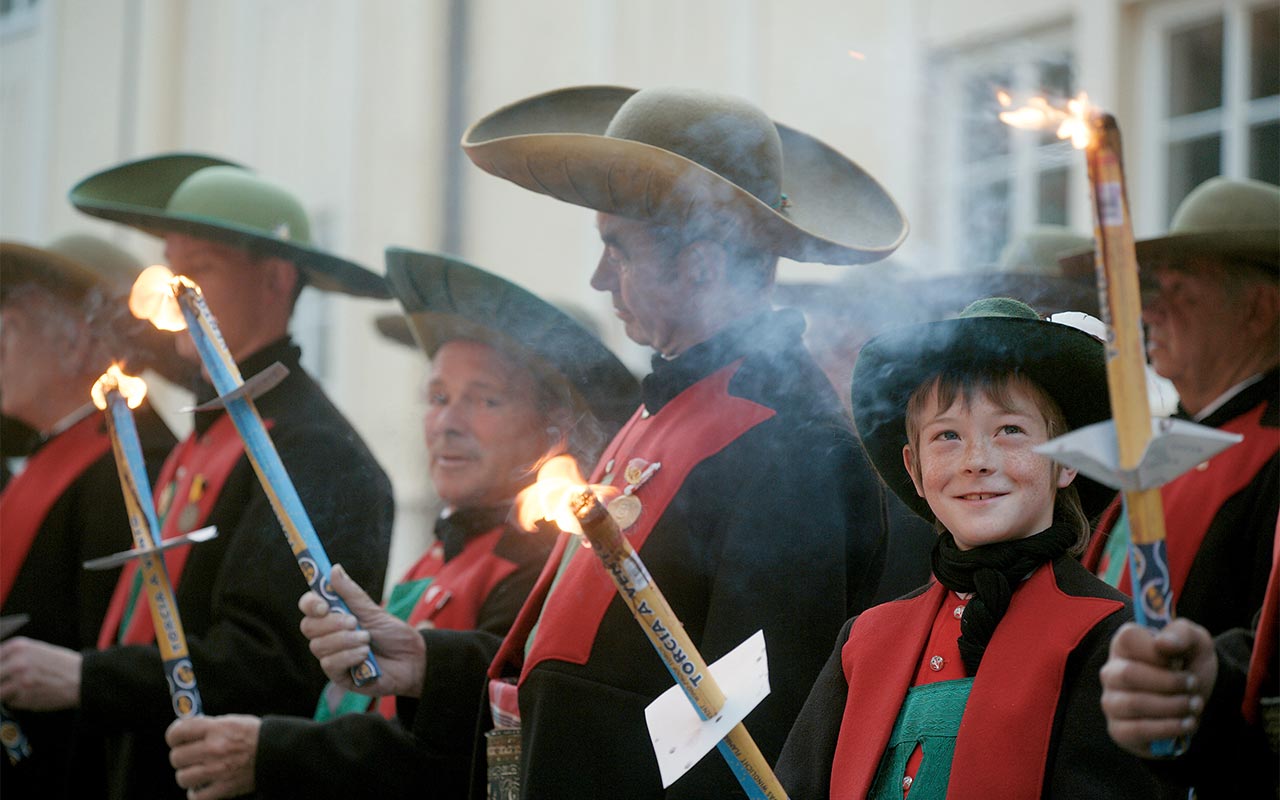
(1225, 397)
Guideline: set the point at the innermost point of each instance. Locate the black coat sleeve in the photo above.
(804, 768)
(1084, 762)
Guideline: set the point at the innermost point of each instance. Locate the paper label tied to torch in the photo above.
(562, 496)
(175, 302)
(117, 394)
(1128, 452)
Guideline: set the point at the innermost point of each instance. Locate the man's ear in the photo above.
(281, 277)
(908, 461)
(703, 262)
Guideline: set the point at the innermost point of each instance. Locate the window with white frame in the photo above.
(1211, 95)
(997, 181)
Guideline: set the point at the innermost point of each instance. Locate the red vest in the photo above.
(695, 425)
(1002, 748)
(458, 589)
(27, 499)
(1193, 499)
(208, 459)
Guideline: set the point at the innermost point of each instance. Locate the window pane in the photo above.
(986, 226)
(984, 134)
(1056, 80)
(1191, 163)
(1264, 55)
(1264, 152)
(1052, 203)
(1195, 68)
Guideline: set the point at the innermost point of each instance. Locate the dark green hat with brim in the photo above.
(446, 299)
(214, 199)
(395, 328)
(72, 266)
(991, 337)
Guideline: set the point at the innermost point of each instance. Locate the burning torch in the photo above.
(1131, 452)
(561, 495)
(174, 303)
(117, 394)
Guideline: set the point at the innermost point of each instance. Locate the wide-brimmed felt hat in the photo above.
(395, 328)
(1233, 220)
(446, 299)
(74, 265)
(211, 198)
(684, 157)
(992, 336)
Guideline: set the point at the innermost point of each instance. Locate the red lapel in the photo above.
(1266, 640)
(1002, 748)
(27, 499)
(879, 658)
(698, 423)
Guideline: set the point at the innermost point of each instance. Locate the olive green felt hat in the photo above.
(213, 199)
(447, 299)
(76, 264)
(1230, 219)
(395, 328)
(991, 336)
(687, 158)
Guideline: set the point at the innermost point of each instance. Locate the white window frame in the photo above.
(1027, 157)
(22, 18)
(1232, 120)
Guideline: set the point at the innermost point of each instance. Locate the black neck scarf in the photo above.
(991, 572)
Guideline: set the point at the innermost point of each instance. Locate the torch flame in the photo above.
(154, 298)
(132, 388)
(548, 498)
(1071, 122)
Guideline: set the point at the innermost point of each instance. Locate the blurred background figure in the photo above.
(63, 321)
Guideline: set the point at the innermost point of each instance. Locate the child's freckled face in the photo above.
(978, 472)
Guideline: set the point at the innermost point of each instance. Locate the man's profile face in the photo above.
(1188, 318)
(639, 271)
(231, 283)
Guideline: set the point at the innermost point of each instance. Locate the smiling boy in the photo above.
(984, 683)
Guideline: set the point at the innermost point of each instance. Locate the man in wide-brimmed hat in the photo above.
(1212, 311)
(60, 308)
(246, 242)
(512, 379)
(744, 489)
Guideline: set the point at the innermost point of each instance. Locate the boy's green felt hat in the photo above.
(991, 337)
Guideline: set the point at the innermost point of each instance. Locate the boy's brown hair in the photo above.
(998, 387)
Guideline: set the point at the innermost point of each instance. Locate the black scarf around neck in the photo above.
(992, 572)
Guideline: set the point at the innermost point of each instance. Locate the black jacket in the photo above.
(238, 594)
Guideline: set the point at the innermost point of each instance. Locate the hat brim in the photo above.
(1068, 364)
(446, 299)
(1256, 246)
(554, 144)
(20, 264)
(137, 194)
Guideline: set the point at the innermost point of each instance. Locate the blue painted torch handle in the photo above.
(306, 545)
(1153, 608)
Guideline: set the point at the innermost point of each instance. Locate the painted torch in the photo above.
(118, 394)
(1131, 452)
(174, 303)
(562, 490)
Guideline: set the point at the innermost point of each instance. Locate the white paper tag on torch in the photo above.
(1175, 447)
(680, 737)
